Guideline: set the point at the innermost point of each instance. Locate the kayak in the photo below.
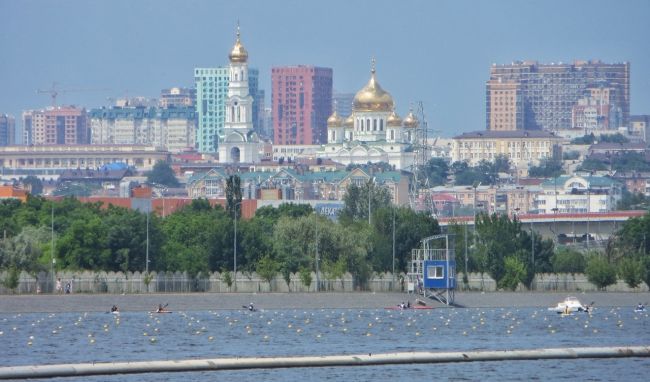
(413, 307)
(164, 311)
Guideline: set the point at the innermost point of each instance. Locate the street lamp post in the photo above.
(476, 185)
(52, 248)
(146, 265)
(369, 213)
(393, 246)
(316, 258)
(235, 249)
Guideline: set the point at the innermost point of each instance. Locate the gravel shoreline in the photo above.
(357, 300)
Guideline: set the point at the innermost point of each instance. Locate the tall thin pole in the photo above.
(235, 250)
(317, 269)
(146, 265)
(368, 202)
(393, 246)
(532, 246)
(588, 209)
(52, 248)
(474, 208)
(466, 275)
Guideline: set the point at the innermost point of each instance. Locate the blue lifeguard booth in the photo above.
(433, 268)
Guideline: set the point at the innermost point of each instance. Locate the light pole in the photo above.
(316, 258)
(52, 248)
(476, 185)
(393, 245)
(369, 190)
(146, 265)
(588, 208)
(235, 249)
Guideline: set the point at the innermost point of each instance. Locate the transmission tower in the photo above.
(422, 153)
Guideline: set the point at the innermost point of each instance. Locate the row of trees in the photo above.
(293, 239)
(437, 170)
(510, 254)
(200, 238)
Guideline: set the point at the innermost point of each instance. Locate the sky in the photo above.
(437, 52)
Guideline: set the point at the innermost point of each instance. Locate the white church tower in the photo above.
(240, 144)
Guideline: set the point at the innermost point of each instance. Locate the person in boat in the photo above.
(402, 305)
(114, 309)
(408, 304)
(160, 309)
(640, 307)
(251, 307)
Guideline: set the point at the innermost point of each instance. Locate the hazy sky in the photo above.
(437, 52)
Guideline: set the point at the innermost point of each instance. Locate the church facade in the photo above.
(373, 132)
(240, 143)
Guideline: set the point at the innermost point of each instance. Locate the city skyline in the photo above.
(438, 52)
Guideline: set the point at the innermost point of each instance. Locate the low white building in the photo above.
(521, 147)
(578, 194)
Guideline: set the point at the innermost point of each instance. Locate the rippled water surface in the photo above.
(42, 338)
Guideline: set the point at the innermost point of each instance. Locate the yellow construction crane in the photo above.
(54, 91)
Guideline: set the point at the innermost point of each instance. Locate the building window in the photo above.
(435, 272)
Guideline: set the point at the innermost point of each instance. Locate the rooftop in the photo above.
(491, 134)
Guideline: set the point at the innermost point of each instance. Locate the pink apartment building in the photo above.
(301, 104)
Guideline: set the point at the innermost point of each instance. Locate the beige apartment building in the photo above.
(172, 129)
(60, 125)
(521, 147)
(505, 107)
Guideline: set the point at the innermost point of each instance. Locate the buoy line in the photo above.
(84, 369)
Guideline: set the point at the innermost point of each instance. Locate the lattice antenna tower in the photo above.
(422, 155)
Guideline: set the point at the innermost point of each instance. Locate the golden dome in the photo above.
(372, 97)
(334, 120)
(238, 52)
(410, 120)
(394, 120)
(349, 121)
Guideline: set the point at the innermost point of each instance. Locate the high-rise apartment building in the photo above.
(177, 97)
(342, 103)
(258, 98)
(529, 95)
(173, 129)
(301, 103)
(506, 110)
(7, 130)
(211, 94)
(60, 125)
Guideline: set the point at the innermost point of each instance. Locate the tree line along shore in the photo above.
(55, 237)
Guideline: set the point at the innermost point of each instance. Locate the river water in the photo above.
(50, 338)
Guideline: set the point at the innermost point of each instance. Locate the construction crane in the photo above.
(54, 91)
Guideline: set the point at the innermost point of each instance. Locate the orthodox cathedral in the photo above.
(240, 142)
(373, 132)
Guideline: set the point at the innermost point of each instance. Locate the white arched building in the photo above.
(240, 142)
(373, 132)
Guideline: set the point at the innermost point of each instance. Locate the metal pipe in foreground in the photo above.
(83, 369)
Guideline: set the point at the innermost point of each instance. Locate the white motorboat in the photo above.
(570, 305)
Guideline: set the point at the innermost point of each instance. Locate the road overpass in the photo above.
(566, 228)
